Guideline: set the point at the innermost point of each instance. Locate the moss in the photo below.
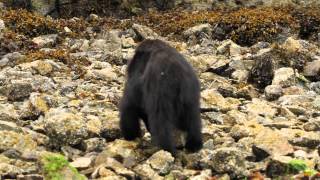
(53, 166)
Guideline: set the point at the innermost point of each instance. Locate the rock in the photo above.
(211, 99)
(204, 175)
(145, 171)
(10, 170)
(45, 40)
(273, 92)
(238, 132)
(8, 113)
(43, 67)
(284, 77)
(278, 166)
(229, 48)
(105, 74)
(262, 72)
(161, 162)
(228, 160)
(94, 144)
(127, 150)
(301, 138)
(110, 125)
(18, 140)
(117, 167)
(2, 25)
(19, 91)
(240, 75)
(261, 107)
(292, 45)
(312, 70)
(315, 86)
(144, 32)
(270, 143)
(10, 59)
(65, 128)
(127, 42)
(82, 162)
(197, 31)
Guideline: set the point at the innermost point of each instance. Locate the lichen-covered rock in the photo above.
(284, 77)
(18, 140)
(144, 32)
(273, 92)
(65, 128)
(45, 40)
(161, 162)
(19, 91)
(228, 160)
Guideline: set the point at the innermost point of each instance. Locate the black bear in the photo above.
(163, 90)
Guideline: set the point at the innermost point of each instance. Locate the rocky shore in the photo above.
(61, 81)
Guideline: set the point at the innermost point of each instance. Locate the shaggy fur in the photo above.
(163, 90)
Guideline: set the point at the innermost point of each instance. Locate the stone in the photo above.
(240, 75)
(301, 138)
(273, 92)
(145, 171)
(284, 77)
(144, 32)
(315, 86)
(261, 107)
(161, 162)
(204, 175)
(65, 128)
(82, 162)
(292, 45)
(18, 140)
(312, 125)
(19, 91)
(228, 160)
(229, 48)
(196, 30)
(271, 143)
(312, 70)
(94, 144)
(45, 40)
(2, 25)
(10, 59)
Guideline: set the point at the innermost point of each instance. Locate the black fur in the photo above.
(163, 90)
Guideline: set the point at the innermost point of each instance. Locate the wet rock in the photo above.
(228, 160)
(273, 92)
(45, 40)
(82, 162)
(284, 77)
(64, 127)
(144, 32)
(18, 91)
(161, 162)
(312, 70)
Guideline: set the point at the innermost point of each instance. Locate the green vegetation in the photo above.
(53, 165)
(298, 166)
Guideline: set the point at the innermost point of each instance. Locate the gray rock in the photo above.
(144, 32)
(229, 48)
(312, 125)
(10, 59)
(315, 86)
(161, 162)
(228, 160)
(65, 128)
(45, 40)
(94, 144)
(19, 91)
(273, 92)
(312, 70)
(284, 77)
(198, 32)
